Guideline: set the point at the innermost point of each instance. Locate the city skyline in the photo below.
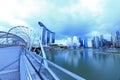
(84, 18)
(96, 42)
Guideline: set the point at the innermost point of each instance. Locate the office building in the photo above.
(85, 43)
(117, 39)
(96, 42)
(81, 42)
(101, 41)
(75, 42)
(113, 40)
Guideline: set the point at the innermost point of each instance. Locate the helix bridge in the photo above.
(18, 62)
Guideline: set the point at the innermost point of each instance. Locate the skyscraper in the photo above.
(75, 42)
(81, 42)
(69, 42)
(101, 41)
(47, 36)
(85, 43)
(96, 42)
(43, 35)
(113, 40)
(118, 39)
(53, 37)
(117, 35)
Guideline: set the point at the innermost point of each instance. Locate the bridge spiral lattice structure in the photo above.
(18, 35)
(30, 63)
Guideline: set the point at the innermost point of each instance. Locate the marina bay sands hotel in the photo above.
(47, 36)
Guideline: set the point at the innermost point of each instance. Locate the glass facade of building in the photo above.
(53, 38)
(96, 42)
(43, 35)
(86, 43)
(48, 37)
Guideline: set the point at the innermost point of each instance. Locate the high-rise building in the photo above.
(75, 42)
(117, 35)
(43, 35)
(47, 36)
(85, 43)
(96, 42)
(53, 37)
(69, 42)
(81, 42)
(93, 45)
(113, 40)
(118, 39)
(101, 41)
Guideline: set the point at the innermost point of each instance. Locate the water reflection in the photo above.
(85, 53)
(86, 63)
(72, 57)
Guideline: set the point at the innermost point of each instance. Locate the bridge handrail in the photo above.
(75, 76)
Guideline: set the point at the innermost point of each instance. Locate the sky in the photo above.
(67, 18)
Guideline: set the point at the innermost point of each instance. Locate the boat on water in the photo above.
(18, 62)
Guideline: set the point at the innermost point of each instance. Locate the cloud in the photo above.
(17, 22)
(65, 17)
(2, 28)
(74, 18)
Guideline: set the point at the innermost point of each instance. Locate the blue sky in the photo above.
(84, 18)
